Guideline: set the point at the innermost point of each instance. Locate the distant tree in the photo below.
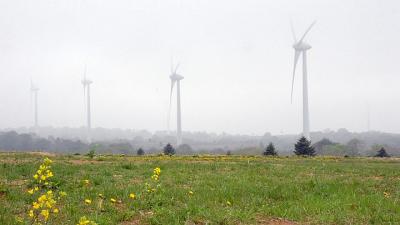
(169, 150)
(92, 152)
(228, 152)
(185, 149)
(354, 147)
(270, 150)
(382, 153)
(140, 151)
(303, 147)
(321, 145)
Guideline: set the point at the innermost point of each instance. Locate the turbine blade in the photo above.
(305, 33)
(293, 33)
(296, 59)
(172, 65)
(172, 88)
(84, 72)
(176, 68)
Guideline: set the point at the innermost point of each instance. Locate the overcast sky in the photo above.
(235, 55)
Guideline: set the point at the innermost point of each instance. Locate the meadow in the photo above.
(204, 189)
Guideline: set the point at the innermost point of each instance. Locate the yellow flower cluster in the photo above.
(45, 205)
(44, 172)
(42, 208)
(156, 174)
(84, 221)
(155, 177)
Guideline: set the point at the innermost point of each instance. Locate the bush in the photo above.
(270, 150)
(140, 151)
(169, 150)
(92, 152)
(382, 153)
(303, 147)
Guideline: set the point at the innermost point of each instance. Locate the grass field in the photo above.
(207, 189)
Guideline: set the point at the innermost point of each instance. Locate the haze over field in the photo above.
(236, 57)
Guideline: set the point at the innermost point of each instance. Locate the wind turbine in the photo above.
(86, 102)
(301, 48)
(176, 78)
(34, 93)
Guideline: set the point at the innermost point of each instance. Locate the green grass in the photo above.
(303, 190)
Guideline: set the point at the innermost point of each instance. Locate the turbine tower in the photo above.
(86, 102)
(176, 78)
(34, 93)
(301, 48)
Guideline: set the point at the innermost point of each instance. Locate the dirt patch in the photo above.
(376, 178)
(17, 182)
(81, 161)
(276, 221)
(138, 219)
(48, 154)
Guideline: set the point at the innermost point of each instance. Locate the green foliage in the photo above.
(318, 190)
(92, 152)
(270, 150)
(382, 153)
(140, 151)
(303, 147)
(169, 150)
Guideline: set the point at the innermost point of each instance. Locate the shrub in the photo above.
(92, 152)
(303, 147)
(382, 153)
(140, 151)
(270, 150)
(169, 150)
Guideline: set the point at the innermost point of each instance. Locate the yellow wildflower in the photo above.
(55, 210)
(36, 188)
(31, 213)
(157, 171)
(35, 205)
(47, 161)
(86, 182)
(88, 201)
(35, 176)
(42, 198)
(30, 191)
(190, 192)
(132, 196)
(386, 194)
(45, 214)
(113, 200)
(83, 221)
(228, 203)
(63, 193)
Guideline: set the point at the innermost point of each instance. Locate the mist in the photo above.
(236, 57)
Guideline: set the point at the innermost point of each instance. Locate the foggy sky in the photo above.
(235, 55)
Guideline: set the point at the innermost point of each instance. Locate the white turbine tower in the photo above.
(86, 102)
(176, 78)
(301, 48)
(34, 94)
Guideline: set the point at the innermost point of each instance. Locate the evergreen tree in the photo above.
(228, 152)
(382, 153)
(140, 151)
(303, 147)
(169, 150)
(270, 150)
